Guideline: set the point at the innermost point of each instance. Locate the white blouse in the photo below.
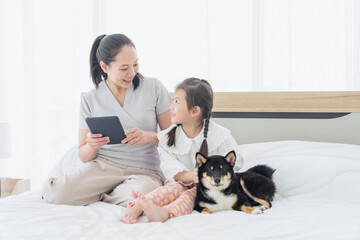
(181, 157)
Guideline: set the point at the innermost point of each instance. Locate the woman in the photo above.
(110, 172)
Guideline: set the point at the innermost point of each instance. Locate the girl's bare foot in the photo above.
(127, 218)
(154, 213)
(135, 194)
(131, 214)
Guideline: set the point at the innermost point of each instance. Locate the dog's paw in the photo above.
(256, 212)
(205, 210)
(263, 208)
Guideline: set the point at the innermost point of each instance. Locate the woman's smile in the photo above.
(127, 81)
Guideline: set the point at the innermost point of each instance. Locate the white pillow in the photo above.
(330, 170)
(68, 163)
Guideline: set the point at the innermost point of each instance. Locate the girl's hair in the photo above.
(105, 48)
(198, 93)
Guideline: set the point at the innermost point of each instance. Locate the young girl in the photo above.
(192, 131)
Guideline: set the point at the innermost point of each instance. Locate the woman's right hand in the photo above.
(96, 140)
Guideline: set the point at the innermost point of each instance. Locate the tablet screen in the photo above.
(108, 126)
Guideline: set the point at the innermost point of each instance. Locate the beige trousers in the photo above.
(101, 180)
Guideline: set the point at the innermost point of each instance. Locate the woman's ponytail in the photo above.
(96, 73)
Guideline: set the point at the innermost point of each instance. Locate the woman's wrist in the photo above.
(87, 153)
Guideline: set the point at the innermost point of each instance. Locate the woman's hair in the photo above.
(105, 48)
(198, 93)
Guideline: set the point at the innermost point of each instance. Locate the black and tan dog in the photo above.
(219, 188)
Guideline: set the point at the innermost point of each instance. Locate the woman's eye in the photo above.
(135, 65)
(124, 69)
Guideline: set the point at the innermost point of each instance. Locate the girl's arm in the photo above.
(187, 176)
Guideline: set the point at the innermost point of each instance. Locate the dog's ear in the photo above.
(231, 157)
(200, 159)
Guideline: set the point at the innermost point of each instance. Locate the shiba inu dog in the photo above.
(219, 188)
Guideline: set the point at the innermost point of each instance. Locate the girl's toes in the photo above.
(133, 194)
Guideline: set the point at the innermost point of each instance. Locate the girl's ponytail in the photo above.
(171, 136)
(96, 73)
(204, 146)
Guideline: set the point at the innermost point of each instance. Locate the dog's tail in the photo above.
(263, 170)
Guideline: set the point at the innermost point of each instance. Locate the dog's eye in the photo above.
(221, 166)
(212, 168)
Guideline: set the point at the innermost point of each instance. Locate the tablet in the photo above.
(109, 126)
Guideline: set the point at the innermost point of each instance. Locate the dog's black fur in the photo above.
(219, 188)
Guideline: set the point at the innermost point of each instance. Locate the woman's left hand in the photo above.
(136, 136)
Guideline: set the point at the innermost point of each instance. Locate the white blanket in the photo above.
(317, 198)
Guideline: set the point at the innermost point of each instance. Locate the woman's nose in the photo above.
(131, 72)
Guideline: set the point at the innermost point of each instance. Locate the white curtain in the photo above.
(248, 45)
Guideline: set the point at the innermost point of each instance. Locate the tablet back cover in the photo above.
(109, 126)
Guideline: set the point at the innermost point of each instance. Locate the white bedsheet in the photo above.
(318, 198)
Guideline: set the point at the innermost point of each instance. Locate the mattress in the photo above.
(317, 198)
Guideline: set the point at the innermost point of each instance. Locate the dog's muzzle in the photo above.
(216, 182)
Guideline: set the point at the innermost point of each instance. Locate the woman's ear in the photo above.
(103, 66)
(195, 111)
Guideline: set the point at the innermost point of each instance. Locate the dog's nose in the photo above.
(217, 180)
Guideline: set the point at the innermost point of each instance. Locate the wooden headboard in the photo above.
(329, 102)
(276, 116)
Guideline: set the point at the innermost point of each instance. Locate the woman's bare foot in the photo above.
(131, 214)
(154, 213)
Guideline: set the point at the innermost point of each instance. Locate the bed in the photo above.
(317, 185)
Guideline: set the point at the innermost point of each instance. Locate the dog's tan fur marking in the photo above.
(226, 178)
(247, 209)
(258, 200)
(205, 210)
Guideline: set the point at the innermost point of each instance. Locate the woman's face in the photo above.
(122, 71)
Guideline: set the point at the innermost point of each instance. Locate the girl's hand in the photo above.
(136, 136)
(96, 141)
(187, 176)
(196, 177)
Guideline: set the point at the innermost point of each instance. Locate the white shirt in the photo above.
(181, 156)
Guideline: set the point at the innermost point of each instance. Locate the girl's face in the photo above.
(180, 114)
(122, 71)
